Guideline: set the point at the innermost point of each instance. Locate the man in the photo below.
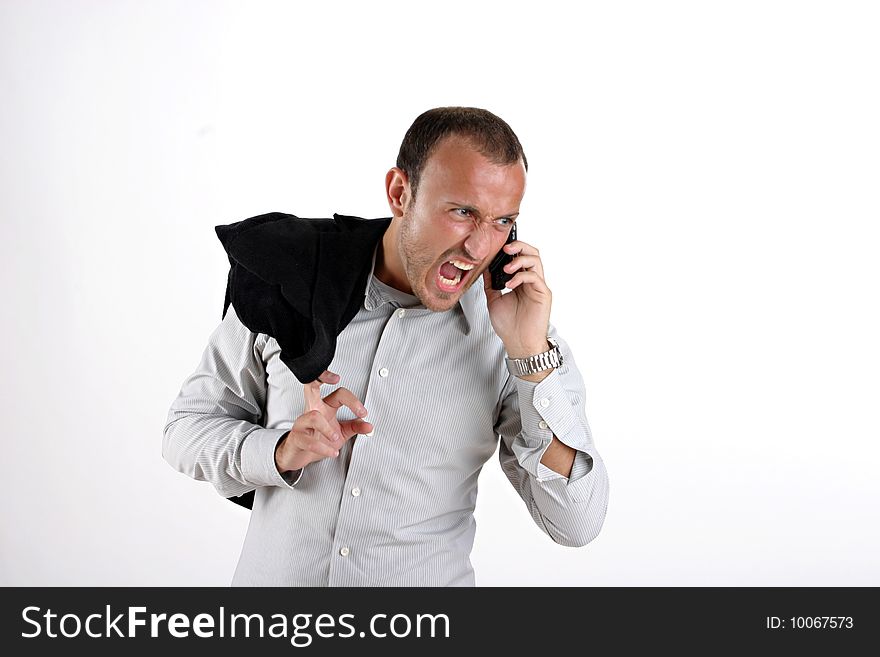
(343, 501)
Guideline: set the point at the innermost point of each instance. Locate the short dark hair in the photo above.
(489, 134)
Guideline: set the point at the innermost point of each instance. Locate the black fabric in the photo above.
(300, 281)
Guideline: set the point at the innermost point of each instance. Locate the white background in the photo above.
(703, 189)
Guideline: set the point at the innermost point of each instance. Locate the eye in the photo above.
(462, 212)
(508, 221)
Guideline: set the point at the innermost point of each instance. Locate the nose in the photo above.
(479, 243)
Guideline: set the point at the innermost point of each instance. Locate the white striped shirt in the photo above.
(396, 507)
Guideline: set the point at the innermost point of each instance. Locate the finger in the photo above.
(312, 390)
(530, 277)
(345, 397)
(312, 442)
(354, 427)
(312, 395)
(318, 445)
(525, 262)
(329, 429)
(517, 247)
(328, 377)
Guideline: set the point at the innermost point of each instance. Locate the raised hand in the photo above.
(317, 434)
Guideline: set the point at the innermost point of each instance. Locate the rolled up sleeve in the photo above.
(571, 510)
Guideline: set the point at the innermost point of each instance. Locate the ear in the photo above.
(397, 191)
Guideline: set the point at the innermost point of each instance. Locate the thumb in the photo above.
(353, 427)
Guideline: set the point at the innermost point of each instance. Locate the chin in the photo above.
(439, 306)
(434, 302)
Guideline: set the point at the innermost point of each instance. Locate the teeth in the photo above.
(448, 282)
(462, 265)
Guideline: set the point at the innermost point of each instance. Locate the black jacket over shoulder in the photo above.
(300, 281)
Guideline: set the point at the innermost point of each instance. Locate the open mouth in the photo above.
(452, 274)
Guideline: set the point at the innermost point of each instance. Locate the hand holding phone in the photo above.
(496, 267)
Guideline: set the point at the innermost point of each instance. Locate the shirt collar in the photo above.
(374, 297)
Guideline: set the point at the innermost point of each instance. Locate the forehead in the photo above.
(455, 170)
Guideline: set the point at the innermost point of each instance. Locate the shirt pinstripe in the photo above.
(396, 507)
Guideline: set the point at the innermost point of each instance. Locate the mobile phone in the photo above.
(496, 267)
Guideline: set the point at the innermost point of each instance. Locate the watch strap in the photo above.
(546, 360)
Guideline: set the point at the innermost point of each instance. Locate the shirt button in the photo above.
(344, 551)
(545, 402)
(401, 312)
(383, 372)
(542, 424)
(355, 491)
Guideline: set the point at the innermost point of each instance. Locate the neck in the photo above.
(389, 266)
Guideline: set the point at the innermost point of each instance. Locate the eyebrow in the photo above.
(509, 215)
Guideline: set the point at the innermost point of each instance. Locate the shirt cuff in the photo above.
(258, 460)
(547, 474)
(546, 411)
(581, 466)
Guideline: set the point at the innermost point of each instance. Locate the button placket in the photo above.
(350, 521)
(383, 372)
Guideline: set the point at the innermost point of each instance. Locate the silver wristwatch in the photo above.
(538, 363)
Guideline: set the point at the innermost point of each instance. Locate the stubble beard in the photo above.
(417, 263)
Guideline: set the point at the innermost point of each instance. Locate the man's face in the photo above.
(463, 211)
